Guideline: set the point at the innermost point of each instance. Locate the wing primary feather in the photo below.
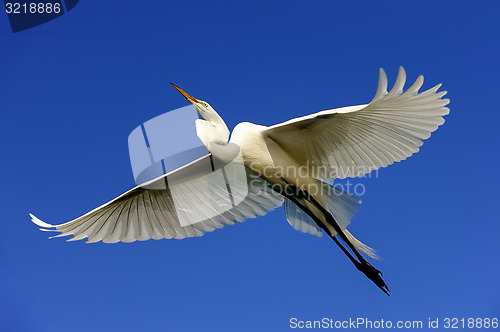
(175, 227)
(149, 231)
(413, 90)
(159, 212)
(39, 222)
(114, 230)
(76, 228)
(100, 226)
(158, 231)
(397, 89)
(134, 224)
(382, 86)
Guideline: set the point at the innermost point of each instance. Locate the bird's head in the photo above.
(212, 129)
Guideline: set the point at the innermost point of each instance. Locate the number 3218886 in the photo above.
(455, 323)
(32, 8)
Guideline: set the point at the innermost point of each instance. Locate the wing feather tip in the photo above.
(40, 223)
(382, 85)
(397, 89)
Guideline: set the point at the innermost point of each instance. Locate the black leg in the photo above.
(368, 270)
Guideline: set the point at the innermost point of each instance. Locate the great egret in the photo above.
(336, 143)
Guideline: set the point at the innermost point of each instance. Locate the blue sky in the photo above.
(74, 88)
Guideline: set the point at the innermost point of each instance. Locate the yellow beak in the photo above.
(188, 97)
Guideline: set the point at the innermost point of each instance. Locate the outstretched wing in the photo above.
(143, 214)
(353, 141)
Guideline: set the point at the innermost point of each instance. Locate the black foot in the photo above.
(374, 275)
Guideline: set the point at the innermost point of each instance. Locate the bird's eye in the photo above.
(206, 105)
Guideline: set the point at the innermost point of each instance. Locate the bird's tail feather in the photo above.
(342, 205)
(361, 246)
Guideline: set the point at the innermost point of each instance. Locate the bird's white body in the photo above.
(268, 159)
(260, 155)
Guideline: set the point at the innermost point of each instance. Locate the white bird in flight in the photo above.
(337, 143)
